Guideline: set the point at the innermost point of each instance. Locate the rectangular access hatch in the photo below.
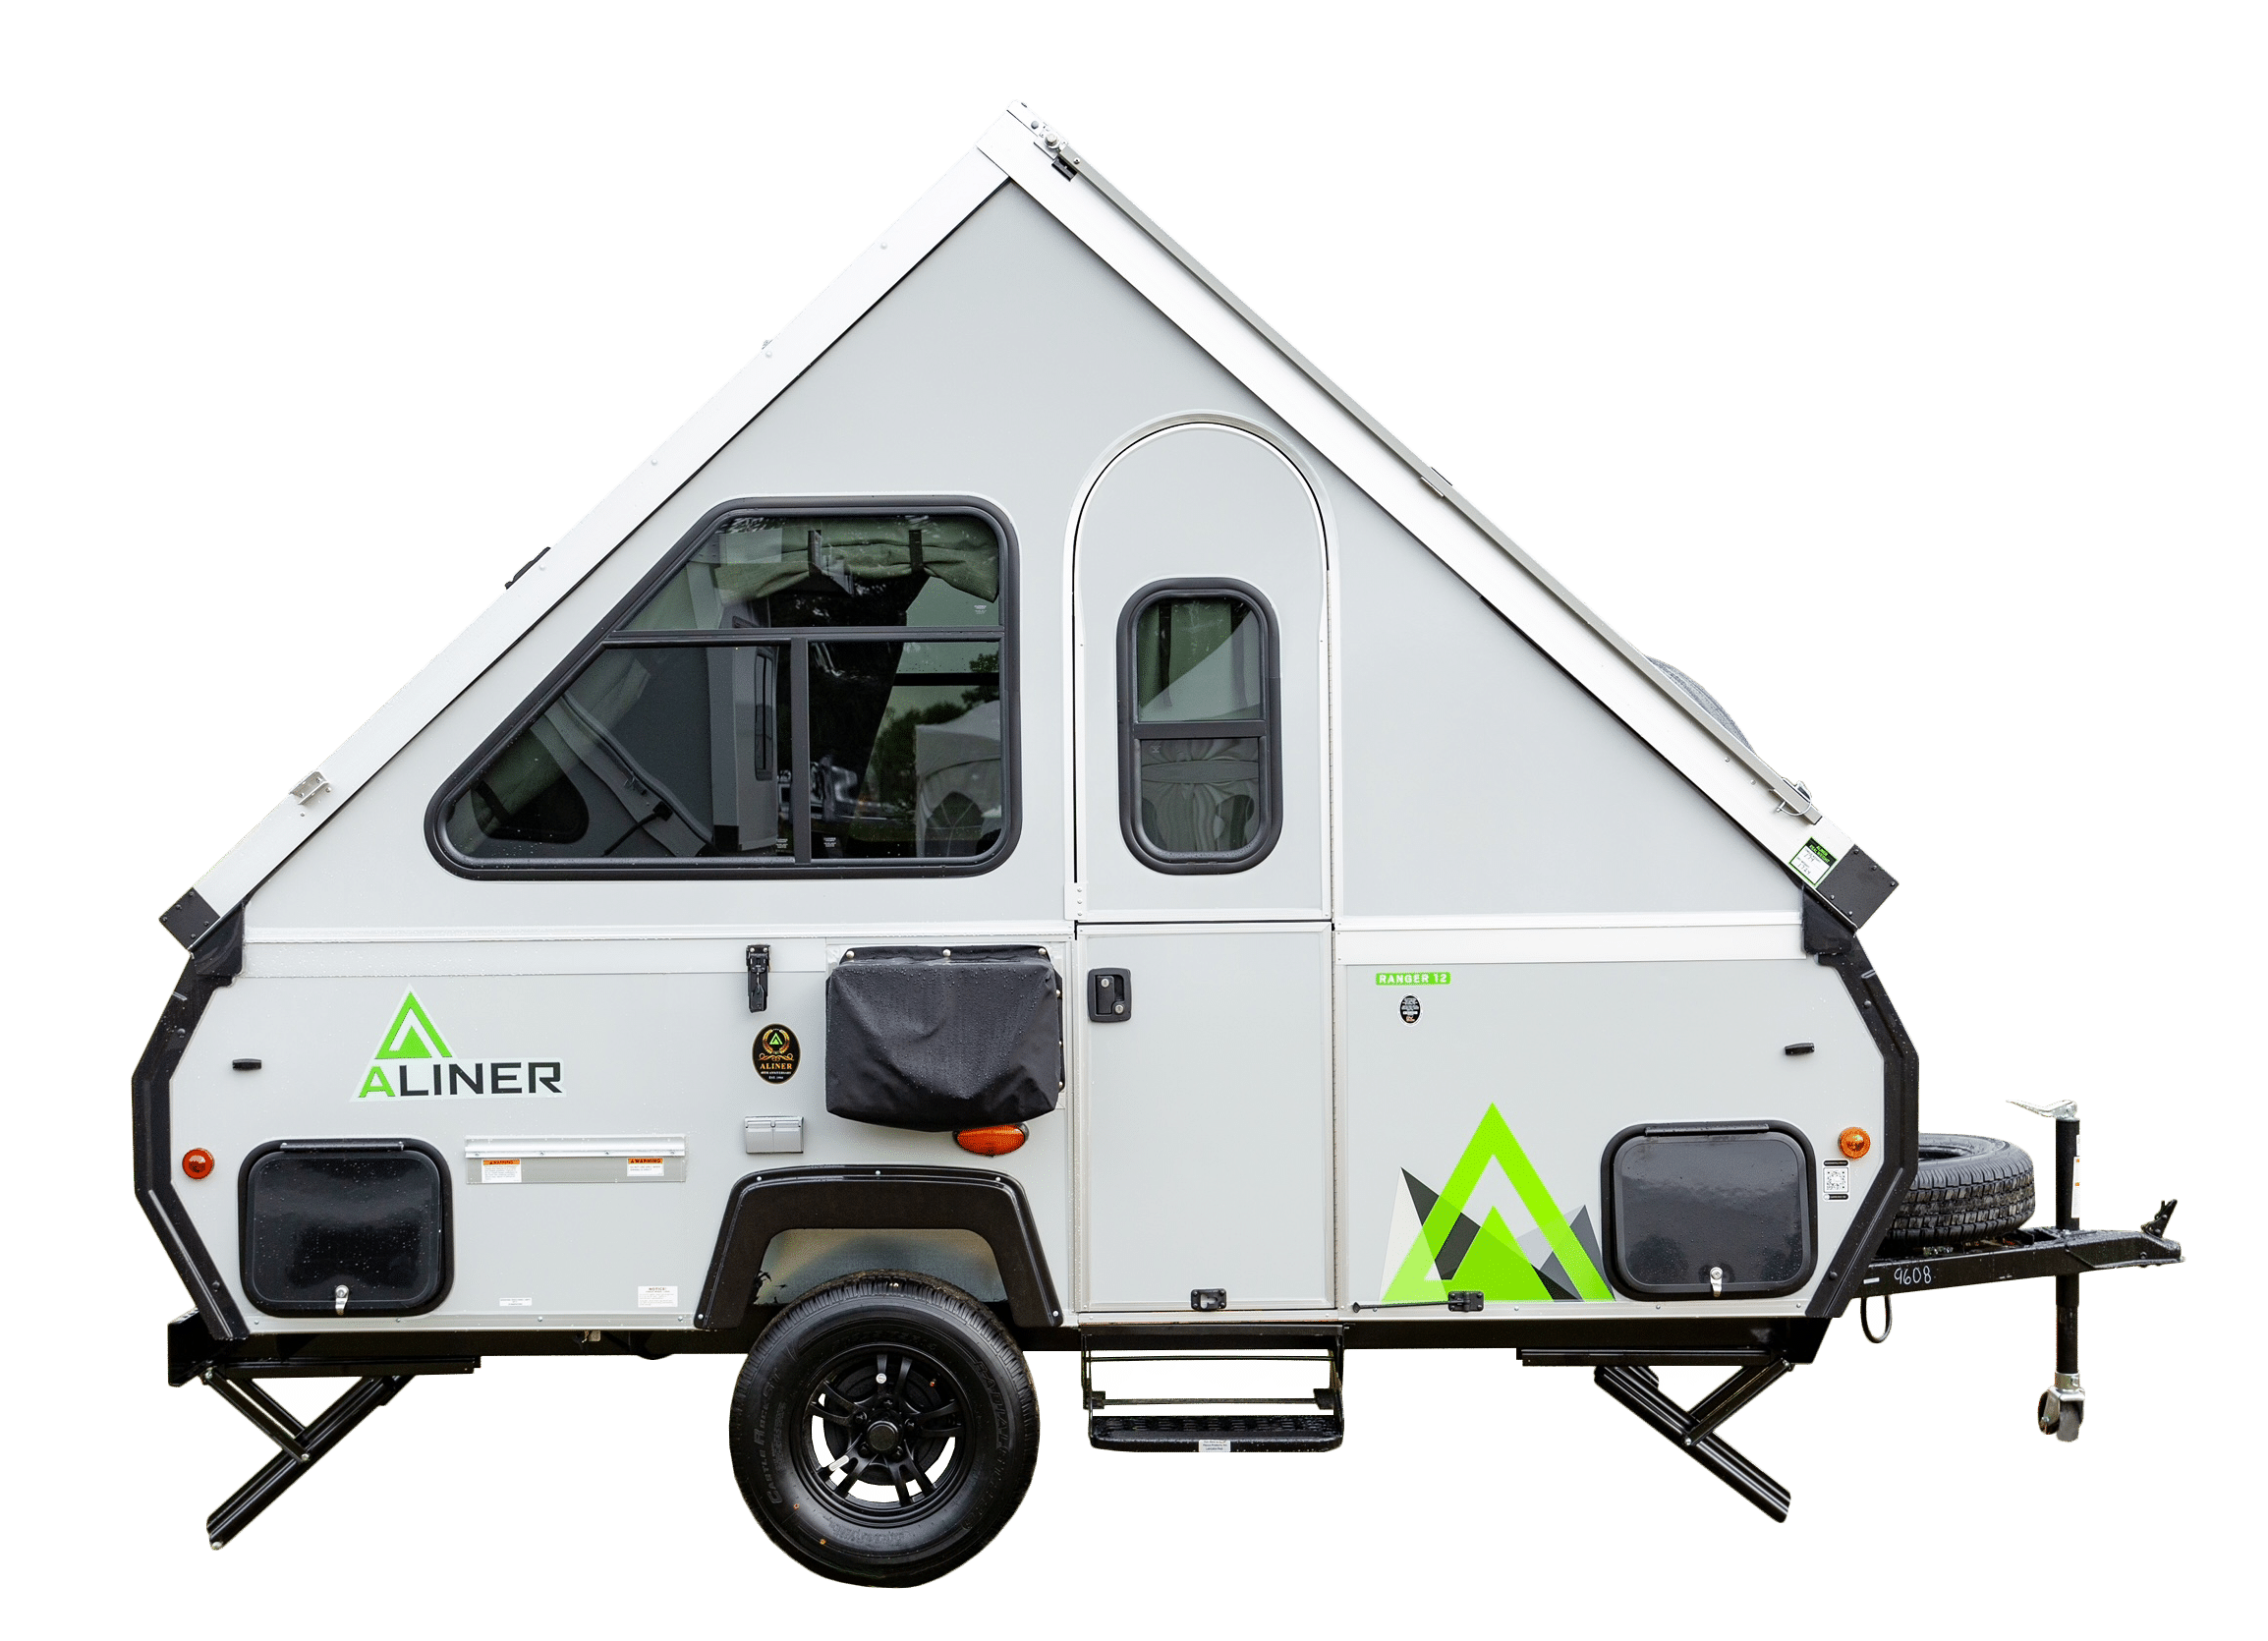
(1709, 1210)
(345, 1227)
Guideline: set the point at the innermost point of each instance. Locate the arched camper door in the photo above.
(1202, 828)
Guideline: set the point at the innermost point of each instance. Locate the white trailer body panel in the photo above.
(1205, 1139)
(1468, 777)
(1569, 1055)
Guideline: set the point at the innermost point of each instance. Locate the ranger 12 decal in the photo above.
(1435, 1245)
(414, 1060)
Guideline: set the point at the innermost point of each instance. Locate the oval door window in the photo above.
(1199, 739)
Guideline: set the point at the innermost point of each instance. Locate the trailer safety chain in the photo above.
(1864, 1327)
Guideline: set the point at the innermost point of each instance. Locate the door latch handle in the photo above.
(1110, 996)
(759, 978)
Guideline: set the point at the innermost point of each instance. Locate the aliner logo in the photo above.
(413, 1037)
(402, 1040)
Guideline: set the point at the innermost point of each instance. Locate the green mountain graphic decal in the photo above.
(412, 1036)
(1450, 1251)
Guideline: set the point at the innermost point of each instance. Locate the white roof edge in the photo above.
(1020, 147)
(1052, 143)
(1750, 792)
(878, 269)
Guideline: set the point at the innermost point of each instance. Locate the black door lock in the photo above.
(759, 978)
(1109, 996)
(1208, 1300)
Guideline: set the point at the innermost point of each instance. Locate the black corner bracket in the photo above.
(1856, 887)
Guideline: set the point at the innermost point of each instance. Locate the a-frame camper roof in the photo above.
(1021, 151)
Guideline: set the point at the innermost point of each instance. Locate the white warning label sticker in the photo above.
(1813, 862)
(646, 1167)
(499, 1171)
(1206, 1445)
(658, 1298)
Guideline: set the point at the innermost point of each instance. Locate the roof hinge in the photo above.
(1060, 153)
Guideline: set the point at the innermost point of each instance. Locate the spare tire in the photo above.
(1967, 1188)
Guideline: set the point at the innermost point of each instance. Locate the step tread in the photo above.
(1172, 1432)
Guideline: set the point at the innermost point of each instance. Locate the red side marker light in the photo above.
(993, 1142)
(196, 1163)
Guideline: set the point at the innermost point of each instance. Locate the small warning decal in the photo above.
(1813, 862)
(645, 1168)
(499, 1171)
(658, 1299)
(776, 1054)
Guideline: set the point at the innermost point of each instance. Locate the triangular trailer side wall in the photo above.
(1479, 779)
(1006, 370)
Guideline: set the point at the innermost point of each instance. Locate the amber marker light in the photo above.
(1855, 1142)
(196, 1163)
(997, 1141)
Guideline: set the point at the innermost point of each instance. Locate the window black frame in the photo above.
(1267, 729)
(795, 641)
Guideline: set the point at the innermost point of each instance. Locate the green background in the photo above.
(1889, 368)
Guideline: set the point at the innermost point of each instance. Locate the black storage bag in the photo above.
(943, 1038)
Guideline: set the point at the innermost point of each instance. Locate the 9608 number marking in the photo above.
(1912, 1275)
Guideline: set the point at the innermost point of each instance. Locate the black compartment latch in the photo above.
(759, 978)
(1109, 996)
(1208, 1300)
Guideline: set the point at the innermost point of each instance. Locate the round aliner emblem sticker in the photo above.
(1409, 1011)
(777, 1054)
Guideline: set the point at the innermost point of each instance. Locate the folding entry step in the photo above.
(1216, 1418)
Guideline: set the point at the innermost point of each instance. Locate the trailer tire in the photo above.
(885, 1428)
(1968, 1187)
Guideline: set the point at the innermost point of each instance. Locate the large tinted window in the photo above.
(1197, 714)
(798, 689)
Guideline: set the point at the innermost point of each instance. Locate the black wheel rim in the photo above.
(881, 1437)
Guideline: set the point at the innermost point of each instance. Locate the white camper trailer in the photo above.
(1034, 824)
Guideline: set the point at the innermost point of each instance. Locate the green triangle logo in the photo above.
(412, 1036)
(1493, 1264)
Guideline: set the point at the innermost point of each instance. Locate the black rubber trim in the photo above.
(764, 1205)
(605, 632)
(213, 963)
(1899, 1142)
(188, 919)
(353, 1307)
(1267, 729)
(1609, 1243)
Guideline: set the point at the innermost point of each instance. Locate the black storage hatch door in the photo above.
(350, 1228)
(1732, 1199)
